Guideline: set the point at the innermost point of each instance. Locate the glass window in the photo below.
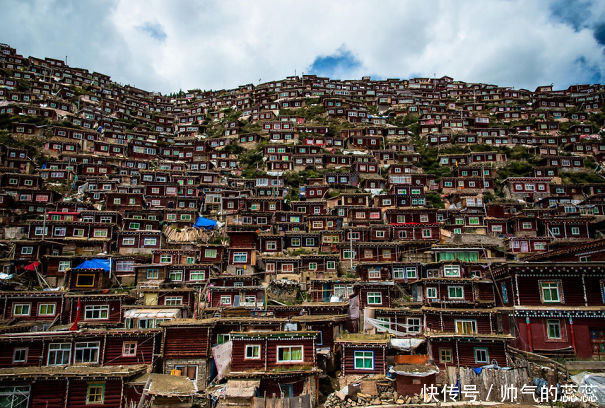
(466, 326)
(129, 348)
(451, 270)
(95, 393)
(86, 352)
(19, 356)
(455, 292)
(289, 353)
(445, 355)
(21, 309)
(364, 360)
(252, 351)
(553, 329)
(59, 354)
(46, 309)
(481, 355)
(550, 292)
(414, 325)
(374, 298)
(176, 275)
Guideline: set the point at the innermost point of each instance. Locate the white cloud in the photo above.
(226, 43)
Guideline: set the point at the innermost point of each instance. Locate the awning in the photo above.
(205, 223)
(98, 263)
(152, 313)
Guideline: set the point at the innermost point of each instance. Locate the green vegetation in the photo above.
(434, 200)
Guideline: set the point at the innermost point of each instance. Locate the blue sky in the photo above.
(170, 45)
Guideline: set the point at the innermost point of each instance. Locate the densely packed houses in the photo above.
(269, 240)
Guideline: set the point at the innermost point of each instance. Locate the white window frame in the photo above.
(363, 355)
(95, 312)
(302, 353)
(255, 355)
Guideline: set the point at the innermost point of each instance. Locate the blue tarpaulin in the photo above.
(206, 223)
(104, 264)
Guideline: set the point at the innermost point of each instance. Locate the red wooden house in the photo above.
(285, 362)
(555, 305)
(364, 354)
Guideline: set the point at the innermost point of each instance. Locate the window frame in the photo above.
(364, 356)
(29, 309)
(256, 347)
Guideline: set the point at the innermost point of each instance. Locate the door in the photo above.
(287, 390)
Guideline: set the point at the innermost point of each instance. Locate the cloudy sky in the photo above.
(170, 45)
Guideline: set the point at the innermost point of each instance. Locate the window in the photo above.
(173, 300)
(289, 354)
(95, 393)
(222, 338)
(364, 360)
(575, 230)
(152, 273)
(553, 329)
(210, 253)
(96, 312)
(46, 309)
(550, 292)
(504, 292)
(176, 275)
(374, 298)
(59, 354)
(455, 292)
(374, 273)
(382, 327)
(27, 250)
(86, 352)
(240, 257)
(348, 254)
(127, 241)
(20, 355)
(64, 265)
(431, 293)
(445, 355)
(481, 355)
(129, 348)
(413, 325)
(150, 241)
(166, 259)
(197, 275)
(100, 233)
(426, 233)
(466, 326)
(21, 309)
(331, 265)
(451, 270)
(225, 300)
(252, 351)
